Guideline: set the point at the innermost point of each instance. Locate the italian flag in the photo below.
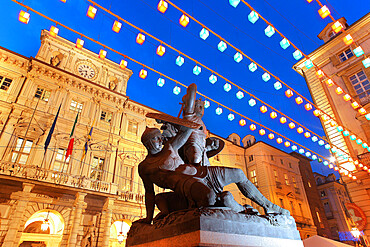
(71, 140)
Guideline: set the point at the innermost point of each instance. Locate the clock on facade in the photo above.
(86, 71)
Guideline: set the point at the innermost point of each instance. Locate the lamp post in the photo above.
(45, 224)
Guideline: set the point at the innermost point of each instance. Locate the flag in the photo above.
(48, 139)
(86, 146)
(72, 139)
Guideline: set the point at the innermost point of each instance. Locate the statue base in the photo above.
(216, 227)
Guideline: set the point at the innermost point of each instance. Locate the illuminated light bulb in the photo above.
(316, 113)
(162, 6)
(204, 33)
(287, 144)
(356, 162)
(252, 102)
(262, 132)
(45, 225)
(269, 31)
(297, 55)
(273, 115)
(218, 110)
(327, 146)
(283, 120)
(354, 177)
(177, 91)
(263, 109)
(348, 39)
(253, 17)
(221, 46)
(308, 154)
(294, 147)
(334, 150)
(308, 106)
(63, 1)
(331, 166)
(271, 136)
(337, 27)
(367, 116)
(291, 125)
(143, 73)
(227, 87)
(206, 104)
(184, 20)
(279, 140)
(325, 118)
(140, 38)
(53, 31)
(238, 57)
(102, 54)
(346, 97)
(196, 70)
(252, 127)
(252, 67)
(333, 123)
(321, 142)
(299, 100)
(234, 3)
(212, 79)
(289, 93)
(309, 1)
(117, 26)
(123, 64)
(355, 105)
(161, 50)
(307, 135)
(308, 63)
(329, 82)
(358, 51)
(300, 130)
(160, 82)
(239, 95)
(324, 11)
(336, 168)
(179, 61)
(365, 168)
(345, 172)
(278, 85)
(325, 163)
(362, 111)
(314, 139)
(301, 151)
(359, 141)
(91, 12)
(284, 43)
(339, 90)
(80, 43)
(360, 165)
(320, 74)
(352, 137)
(231, 117)
(314, 157)
(120, 237)
(366, 62)
(364, 145)
(266, 77)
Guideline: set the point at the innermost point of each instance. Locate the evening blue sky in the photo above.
(297, 20)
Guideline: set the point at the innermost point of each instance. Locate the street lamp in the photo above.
(121, 236)
(355, 232)
(45, 223)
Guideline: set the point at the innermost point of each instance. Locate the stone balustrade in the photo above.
(129, 196)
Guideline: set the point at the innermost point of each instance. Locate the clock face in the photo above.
(86, 71)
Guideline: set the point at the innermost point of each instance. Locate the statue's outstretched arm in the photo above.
(189, 99)
(182, 136)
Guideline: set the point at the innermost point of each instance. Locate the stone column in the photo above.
(106, 222)
(14, 233)
(76, 227)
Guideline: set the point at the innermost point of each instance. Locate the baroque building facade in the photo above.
(340, 62)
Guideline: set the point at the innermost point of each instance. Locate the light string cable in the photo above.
(157, 72)
(214, 72)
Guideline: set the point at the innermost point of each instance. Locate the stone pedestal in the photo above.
(216, 227)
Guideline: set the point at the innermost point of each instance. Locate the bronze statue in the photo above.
(193, 185)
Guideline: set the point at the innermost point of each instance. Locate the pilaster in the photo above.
(76, 219)
(106, 222)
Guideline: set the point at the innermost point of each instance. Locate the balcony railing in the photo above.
(130, 196)
(302, 220)
(54, 177)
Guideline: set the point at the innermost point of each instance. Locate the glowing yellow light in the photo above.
(271, 136)
(333, 123)
(307, 134)
(161, 50)
(329, 82)
(336, 168)
(80, 43)
(24, 17)
(299, 130)
(347, 97)
(262, 132)
(320, 73)
(355, 105)
(283, 120)
(53, 31)
(337, 27)
(140, 38)
(316, 113)
(263, 109)
(298, 100)
(339, 90)
(91, 12)
(102, 54)
(143, 73)
(242, 122)
(324, 11)
(252, 127)
(123, 64)
(117, 26)
(63, 1)
(289, 93)
(325, 117)
(279, 140)
(348, 39)
(184, 20)
(162, 6)
(273, 115)
(362, 111)
(308, 106)
(331, 166)
(287, 144)
(291, 125)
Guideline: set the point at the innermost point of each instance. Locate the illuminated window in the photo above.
(361, 84)
(322, 193)
(97, 166)
(318, 216)
(43, 94)
(60, 161)
(106, 116)
(254, 177)
(309, 184)
(21, 151)
(5, 83)
(76, 106)
(294, 182)
(286, 179)
(345, 55)
(127, 172)
(132, 127)
(276, 176)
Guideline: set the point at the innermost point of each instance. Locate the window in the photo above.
(318, 216)
(127, 172)
(345, 55)
(294, 182)
(322, 193)
(5, 83)
(97, 166)
(281, 202)
(276, 176)
(250, 158)
(249, 143)
(286, 179)
(254, 177)
(42, 94)
(60, 163)
(300, 208)
(132, 127)
(21, 151)
(327, 208)
(106, 116)
(281, 161)
(361, 84)
(292, 207)
(76, 106)
(309, 184)
(272, 157)
(290, 165)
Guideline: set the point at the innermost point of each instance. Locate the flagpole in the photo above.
(52, 157)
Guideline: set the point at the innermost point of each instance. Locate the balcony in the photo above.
(53, 177)
(129, 196)
(302, 221)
